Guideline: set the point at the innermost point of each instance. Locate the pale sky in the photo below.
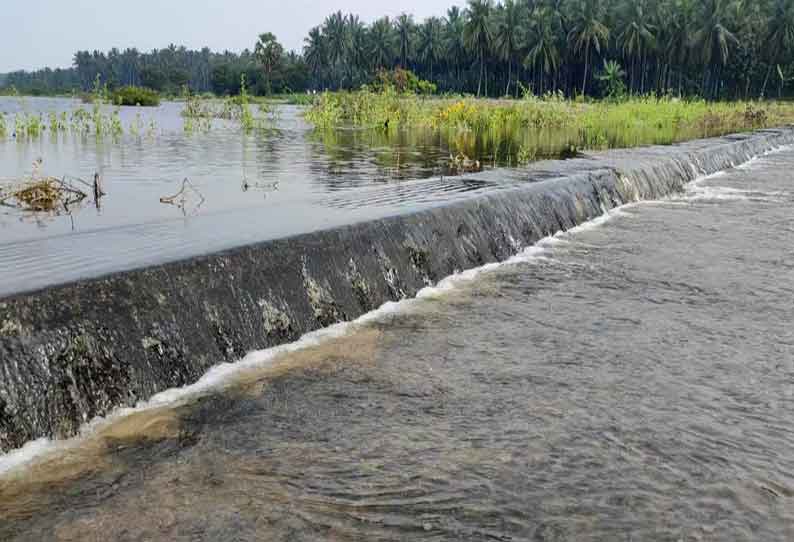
(39, 33)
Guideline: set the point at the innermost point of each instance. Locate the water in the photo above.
(283, 181)
(630, 380)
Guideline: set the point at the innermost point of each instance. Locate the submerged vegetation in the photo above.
(100, 115)
(199, 111)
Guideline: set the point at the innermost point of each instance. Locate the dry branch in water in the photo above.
(181, 198)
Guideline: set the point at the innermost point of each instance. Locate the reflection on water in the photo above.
(629, 382)
(288, 162)
(172, 195)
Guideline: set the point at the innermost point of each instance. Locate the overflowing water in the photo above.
(632, 379)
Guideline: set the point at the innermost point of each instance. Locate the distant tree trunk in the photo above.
(680, 82)
(586, 66)
(509, 75)
(644, 67)
(766, 80)
(482, 69)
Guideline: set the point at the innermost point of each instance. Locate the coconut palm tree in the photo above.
(674, 27)
(713, 40)
(381, 37)
(779, 39)
(544, 44)
(508, 37)
(638, 38)
(588, 31)
(315, 53)
(431, 42)
(337, 41)
(405, 31)
(358, 36)
(712, 36)
(454, 43)
(478, 35)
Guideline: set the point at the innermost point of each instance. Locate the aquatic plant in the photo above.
(136, 127)
(28, 125)
(196, 107)
(3, 127)
(197, 113)
(57, 123)
(247, 121)
(199, 110)
(79, 121)
(115, 127)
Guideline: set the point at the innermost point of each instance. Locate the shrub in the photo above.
(403, 81)
(136, 96)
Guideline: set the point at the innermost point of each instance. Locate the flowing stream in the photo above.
(632, 379)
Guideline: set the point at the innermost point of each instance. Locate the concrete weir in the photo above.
(71, 352)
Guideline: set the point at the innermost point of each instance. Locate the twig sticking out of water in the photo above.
(180, 199)
(98, 192)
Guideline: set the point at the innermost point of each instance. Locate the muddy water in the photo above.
(628, 381)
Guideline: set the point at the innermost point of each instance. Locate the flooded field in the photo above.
(175, 188)
(244, 188)
(630, 380)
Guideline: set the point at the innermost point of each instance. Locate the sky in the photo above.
(40, 33)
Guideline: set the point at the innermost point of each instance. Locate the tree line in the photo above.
(170, 69)
(718, 49)
(709, 48)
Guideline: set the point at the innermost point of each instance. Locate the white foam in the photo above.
(754, 160)
(30, 451)
(730, 194)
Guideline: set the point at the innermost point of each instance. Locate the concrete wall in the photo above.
(73, 352)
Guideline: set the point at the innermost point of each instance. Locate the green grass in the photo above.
(515, 131)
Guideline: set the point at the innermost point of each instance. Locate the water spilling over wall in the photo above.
(73, 352)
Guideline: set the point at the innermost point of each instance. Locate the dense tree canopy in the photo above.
(710, 48)
(169, 69)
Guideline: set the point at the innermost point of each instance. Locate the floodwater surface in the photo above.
(630, 380)
(284, 179)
